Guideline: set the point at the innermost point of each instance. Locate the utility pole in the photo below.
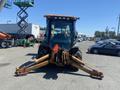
(107, 32)
(118, 26)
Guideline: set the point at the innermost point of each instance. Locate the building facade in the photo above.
(13, 29)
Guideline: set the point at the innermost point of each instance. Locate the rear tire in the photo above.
(42, 51)
(77, 53)
(4, 44)
(9, 44)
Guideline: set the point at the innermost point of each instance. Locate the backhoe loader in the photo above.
(59, 47)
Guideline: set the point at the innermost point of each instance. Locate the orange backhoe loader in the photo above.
(59, 48)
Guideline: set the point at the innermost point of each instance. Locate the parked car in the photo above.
(97, 39)
(79, 40)
(109, 40)
(109, 48)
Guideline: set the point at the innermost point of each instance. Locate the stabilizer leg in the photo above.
(81, 65)
(41, 59)
(25, 70)
(38, 63)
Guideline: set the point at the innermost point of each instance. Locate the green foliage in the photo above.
(106, 34)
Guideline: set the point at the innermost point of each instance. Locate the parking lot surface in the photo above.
(55, 78)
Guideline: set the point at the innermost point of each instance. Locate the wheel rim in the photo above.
(95, 51)
(9, 45)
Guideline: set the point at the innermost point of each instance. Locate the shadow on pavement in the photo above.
(101, 54)
(32, 54)
(4, 64)
(51, 71)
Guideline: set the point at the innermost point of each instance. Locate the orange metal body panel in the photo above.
(4, 35)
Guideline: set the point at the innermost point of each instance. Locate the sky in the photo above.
(94, 14)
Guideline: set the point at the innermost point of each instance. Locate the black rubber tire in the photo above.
(42, 51)
(118, 53)
(9, 44)
(3, 44)
(76, 52)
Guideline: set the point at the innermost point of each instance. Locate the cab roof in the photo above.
(54, 16)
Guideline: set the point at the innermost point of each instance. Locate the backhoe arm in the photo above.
(81, 65)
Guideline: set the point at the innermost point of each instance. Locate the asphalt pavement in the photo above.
(55, 78)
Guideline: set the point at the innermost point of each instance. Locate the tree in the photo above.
(112, 34)
(97, 34)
